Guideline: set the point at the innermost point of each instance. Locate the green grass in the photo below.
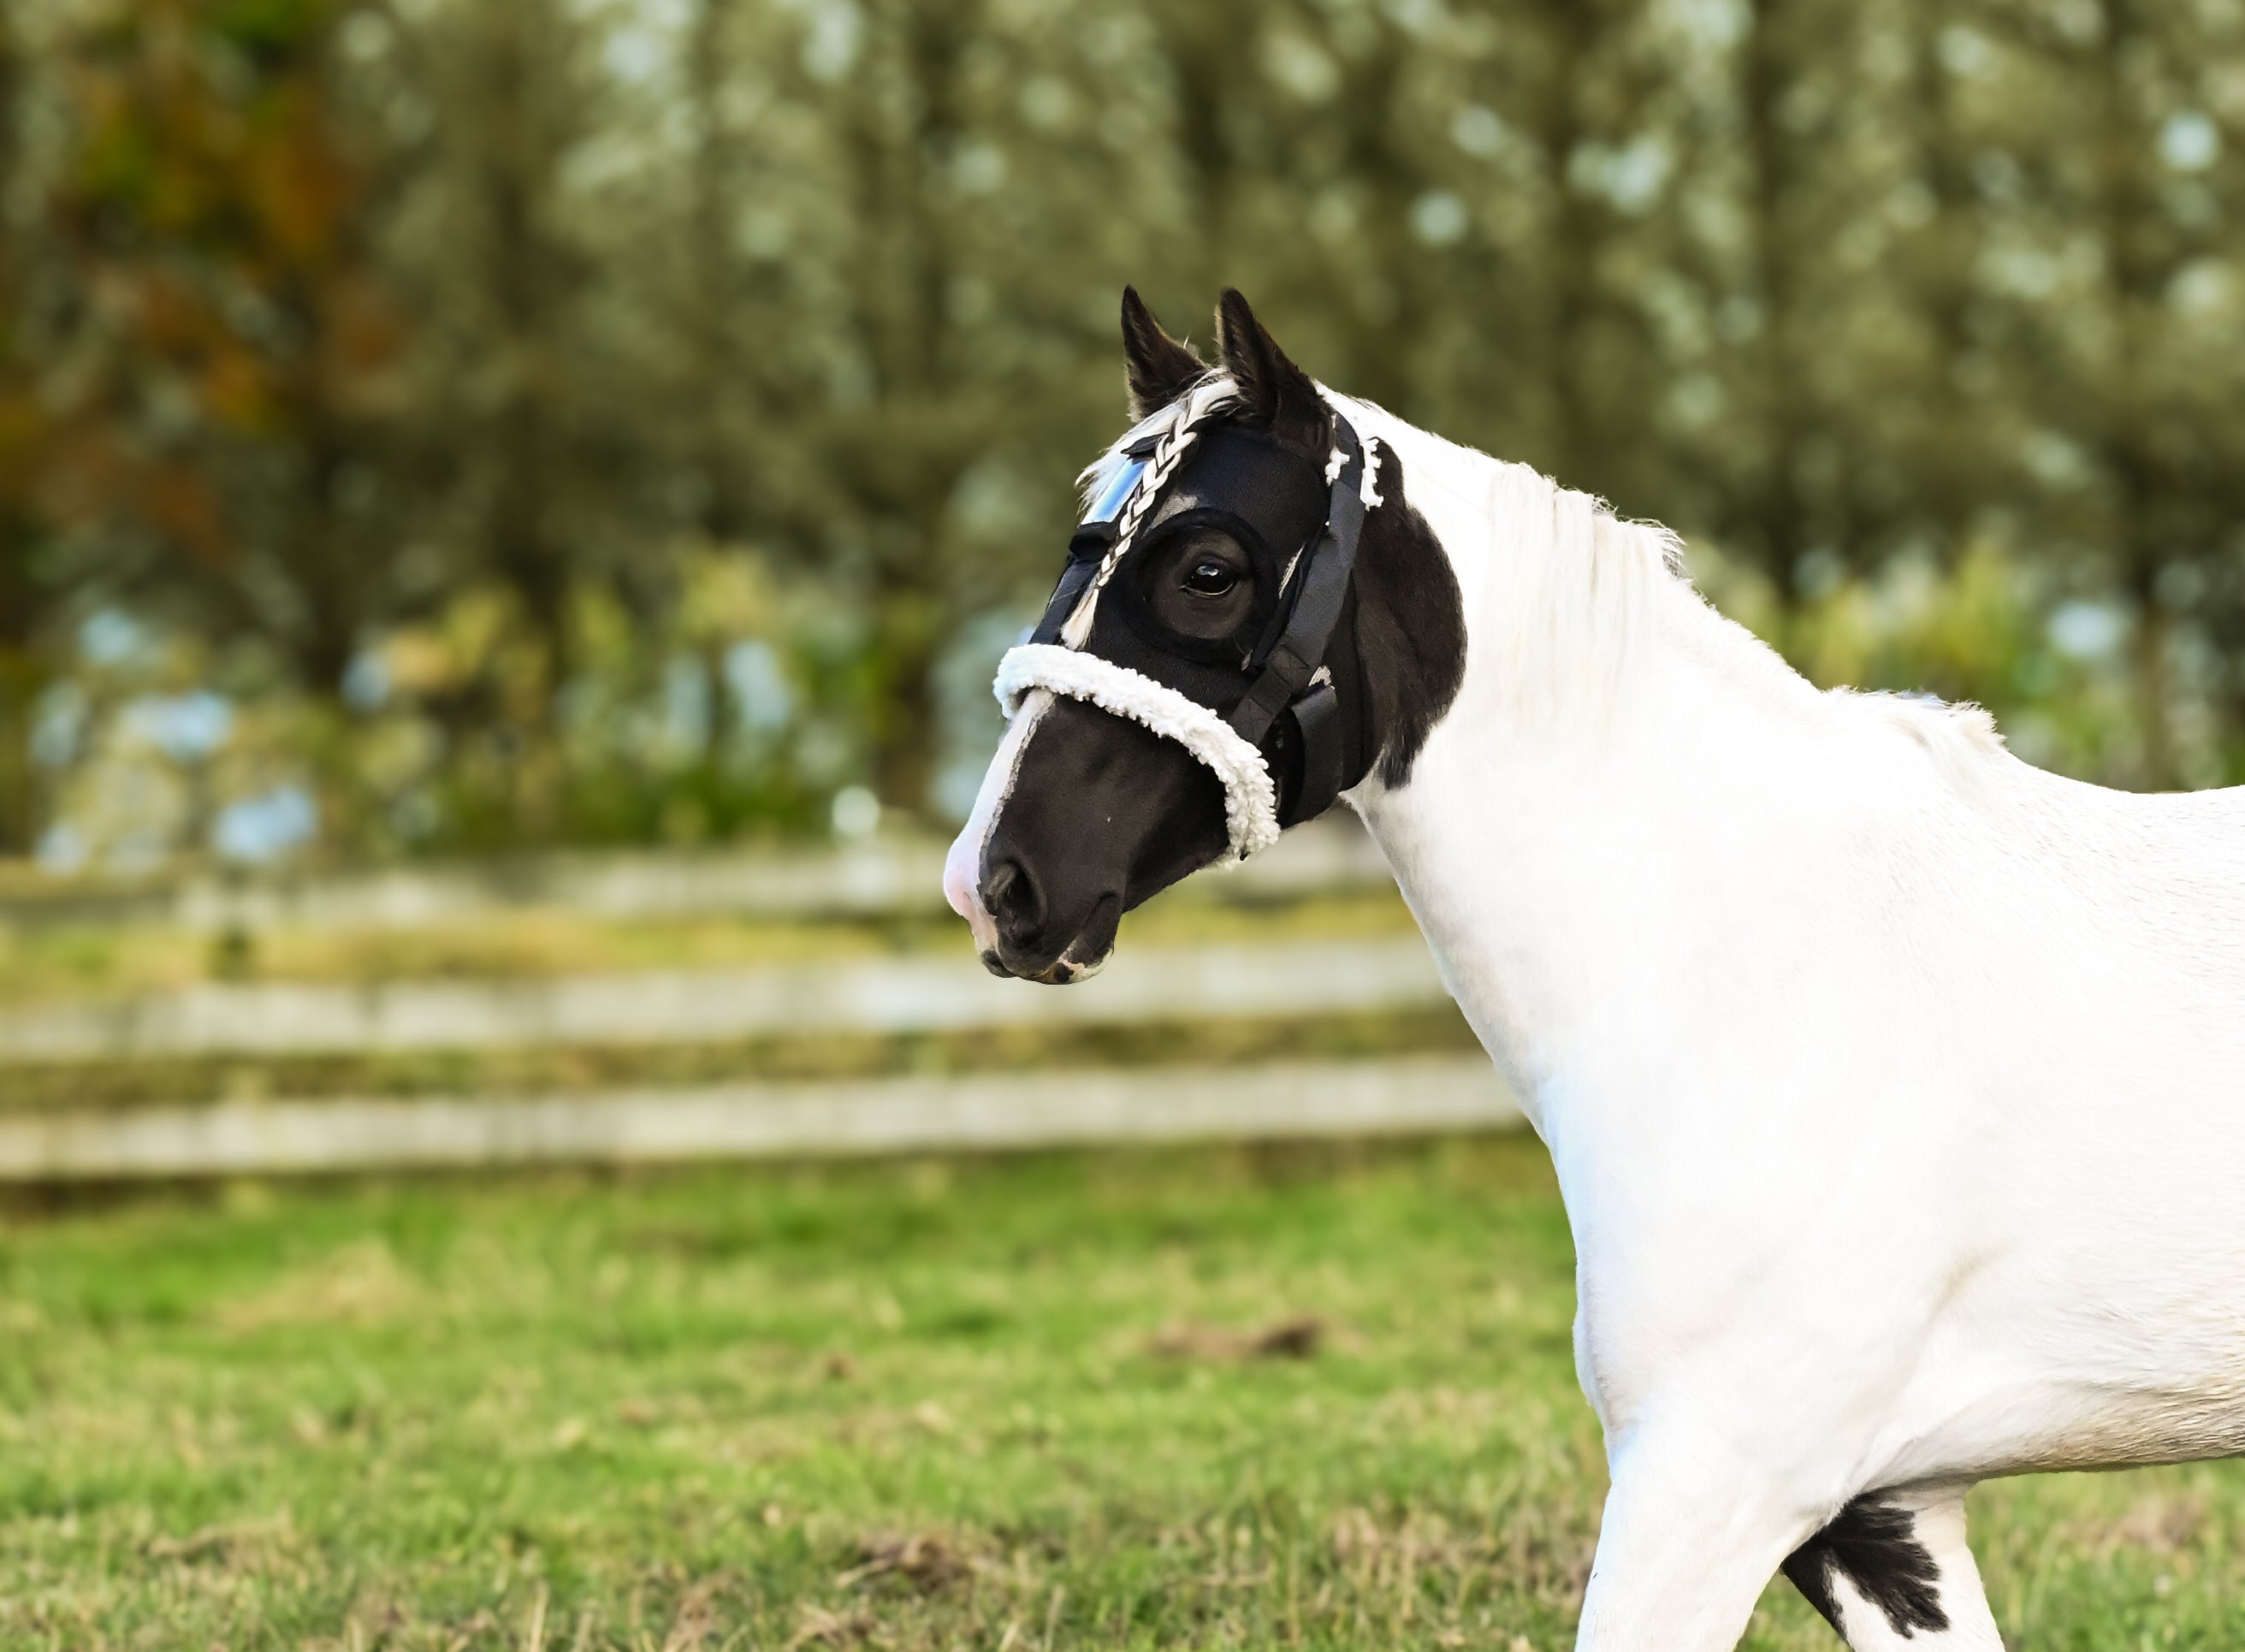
(1009, 1403)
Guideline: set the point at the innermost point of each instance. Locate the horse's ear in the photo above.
(1273, 392)
(1158, 369)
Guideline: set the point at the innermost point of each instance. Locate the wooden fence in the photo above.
(866, 880)
(976, 1112)
(872, 996)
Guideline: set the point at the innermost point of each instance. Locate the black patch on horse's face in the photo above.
(1873, 1544)
(1103, 814)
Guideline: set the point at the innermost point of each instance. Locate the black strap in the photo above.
(1321, 584)
(1075, 579)
(1317, 716)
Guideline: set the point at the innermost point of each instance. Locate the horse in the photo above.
(1894, 1088)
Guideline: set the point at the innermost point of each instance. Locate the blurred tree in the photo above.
(431, 362)
(1782, 236)
(1781, 122)
(511, 274)
(2107, 126)
(242, 423)
(725, 322)
(1954, 442)
(1586, 80)
(922, 408)
(27, 587)
(964, 181)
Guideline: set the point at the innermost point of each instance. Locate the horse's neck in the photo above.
(1576, 831)
(1555, 876)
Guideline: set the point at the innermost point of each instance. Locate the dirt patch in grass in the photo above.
(925, 1564)
(1299, 1337)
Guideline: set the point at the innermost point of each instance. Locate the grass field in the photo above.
(1280, 1397)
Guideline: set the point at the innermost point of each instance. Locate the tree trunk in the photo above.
(1951, 462)
(904, 733)
(1570, 269)
(521, 276)
(723, 511)
(908, 338)
(1204, 45)
(1775, 518)
(22, 677)
(2138, 269)
(2149, 658)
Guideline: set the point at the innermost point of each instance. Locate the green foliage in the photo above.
(1978, 631)
(733, 709)
(331, 319)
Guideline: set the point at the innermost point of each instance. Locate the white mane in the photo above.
(1575, 599)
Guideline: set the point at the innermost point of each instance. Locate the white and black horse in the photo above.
(1896, 1089)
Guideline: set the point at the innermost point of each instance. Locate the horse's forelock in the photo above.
(1093, 480)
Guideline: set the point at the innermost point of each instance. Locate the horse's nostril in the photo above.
(1012, 896)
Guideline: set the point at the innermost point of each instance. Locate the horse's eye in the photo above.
(1209, 577)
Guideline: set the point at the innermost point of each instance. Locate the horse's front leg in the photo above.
(1691, 1536)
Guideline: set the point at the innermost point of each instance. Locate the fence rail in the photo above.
(869, 996)
(873, 996)
(869, 880)
(1404, 1096)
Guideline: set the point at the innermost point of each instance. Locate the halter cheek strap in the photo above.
(1293, 680)
(1288, 679)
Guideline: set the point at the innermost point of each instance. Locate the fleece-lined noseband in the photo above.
(1285, 663)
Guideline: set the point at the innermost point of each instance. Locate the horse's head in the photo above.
(1250, 619)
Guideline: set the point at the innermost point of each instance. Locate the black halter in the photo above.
(1286, 668)
(1288, 683)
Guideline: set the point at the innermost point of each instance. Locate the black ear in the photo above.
(1158, 369)
(1273, 392)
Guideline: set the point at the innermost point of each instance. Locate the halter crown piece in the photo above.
(1288, 676)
